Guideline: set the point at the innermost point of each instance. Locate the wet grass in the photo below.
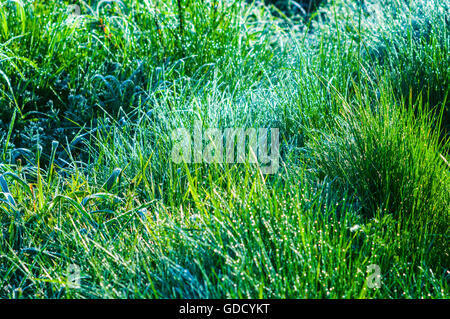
(92, 204)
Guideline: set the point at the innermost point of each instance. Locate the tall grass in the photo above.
(88, 183)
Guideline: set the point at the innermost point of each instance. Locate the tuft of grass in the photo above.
(392, 160)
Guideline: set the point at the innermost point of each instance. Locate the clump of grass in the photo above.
(392, 159)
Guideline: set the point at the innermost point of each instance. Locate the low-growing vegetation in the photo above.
(92, 204)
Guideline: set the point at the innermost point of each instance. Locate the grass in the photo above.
(88, 103)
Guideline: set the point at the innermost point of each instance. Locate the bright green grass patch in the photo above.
(254, 239)
(362, 186)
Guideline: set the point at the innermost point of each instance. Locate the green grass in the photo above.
(87, 107)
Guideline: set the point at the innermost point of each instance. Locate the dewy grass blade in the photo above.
(6, 192)
(112, 179)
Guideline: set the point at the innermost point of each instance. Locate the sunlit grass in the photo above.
(88, 104)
